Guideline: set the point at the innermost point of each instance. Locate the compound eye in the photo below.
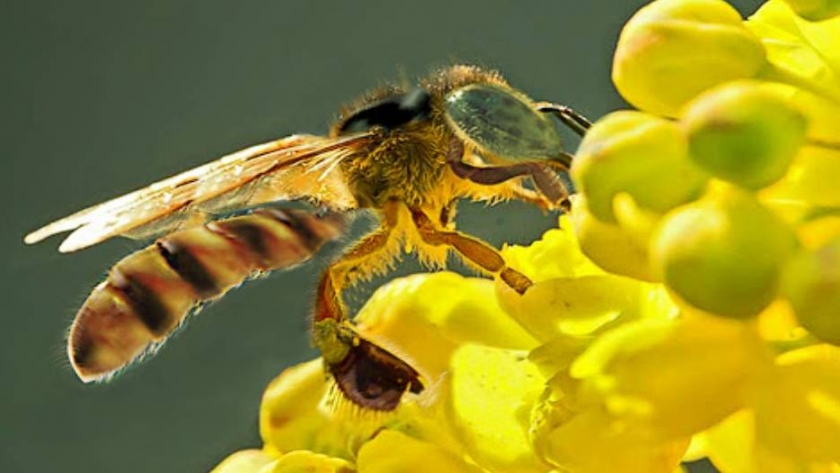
(502, 123)
(390, 113)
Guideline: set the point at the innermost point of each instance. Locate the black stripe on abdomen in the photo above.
(299, 227)
(178, 258)
(145, 303)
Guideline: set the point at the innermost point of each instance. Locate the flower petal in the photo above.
(492, 394)
(797, 406)
(669, 379)
(426, 316)
(246, 461)
(303, 461)
(392, 451)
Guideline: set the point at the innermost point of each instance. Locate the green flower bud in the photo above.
(744, 134)
(815, 10)
(812, 285)
(671, 50)
(640, 154)
(723, 253)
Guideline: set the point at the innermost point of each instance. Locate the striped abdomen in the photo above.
(149, 293)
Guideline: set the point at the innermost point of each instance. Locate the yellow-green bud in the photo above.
(744, 133)
(609, 246)
(671, 50)
(815, 10)
(812, 285)
(640, 154)
(723, 253)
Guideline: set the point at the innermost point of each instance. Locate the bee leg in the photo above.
(543, 173)
(355, 264)
(550, 185)
(532, 197)
(366, 374)
(572, 119)
(545, 179)
(472, 250)
(369, 376)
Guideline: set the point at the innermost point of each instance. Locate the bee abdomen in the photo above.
(148, 294)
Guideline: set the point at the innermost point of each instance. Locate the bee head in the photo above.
(389, 113)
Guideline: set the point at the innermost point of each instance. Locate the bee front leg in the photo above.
(543, 173)
(546, 180)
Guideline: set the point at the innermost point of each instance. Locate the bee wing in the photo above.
(299, 166)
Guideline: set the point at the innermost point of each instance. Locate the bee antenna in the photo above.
(572, 119)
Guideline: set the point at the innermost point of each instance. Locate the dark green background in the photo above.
(101, 97)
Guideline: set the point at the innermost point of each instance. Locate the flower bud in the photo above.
(609, 246)
(743, 133)
(815, 10)
(640, 154)
(723, 254)
(671, 50)
(812, 285)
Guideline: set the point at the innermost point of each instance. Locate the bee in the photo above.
(405, 154)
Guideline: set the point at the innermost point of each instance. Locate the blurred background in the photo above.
(99, 98)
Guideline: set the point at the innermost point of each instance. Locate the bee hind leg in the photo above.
(367, 375)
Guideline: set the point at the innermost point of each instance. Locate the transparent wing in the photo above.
(296, 167)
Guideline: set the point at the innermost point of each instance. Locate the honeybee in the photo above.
(405, 154)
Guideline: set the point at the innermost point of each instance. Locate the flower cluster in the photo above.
(722, 189)
(688, 307)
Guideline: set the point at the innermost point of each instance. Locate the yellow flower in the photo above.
(468, 350)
